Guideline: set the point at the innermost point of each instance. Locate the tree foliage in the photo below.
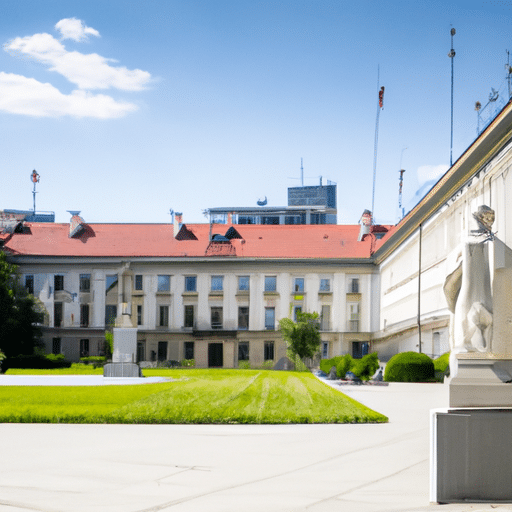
(303, 336)
(19, 314)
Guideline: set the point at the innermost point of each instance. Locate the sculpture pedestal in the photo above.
(125, 354)
(471, 455)
(481, 381)
(471, 452)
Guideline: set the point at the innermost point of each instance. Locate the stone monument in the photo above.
(471, 452)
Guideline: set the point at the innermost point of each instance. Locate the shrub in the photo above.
(188, 363)
(409, 367)
(442, 366)
(442, 362)
(344, 365)
(327, 364)
(38, 362)
(95, 361)
(244, 365)
(365, 367)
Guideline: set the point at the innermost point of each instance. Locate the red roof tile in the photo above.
(157, 240)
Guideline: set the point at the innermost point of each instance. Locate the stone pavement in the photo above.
(224, 468)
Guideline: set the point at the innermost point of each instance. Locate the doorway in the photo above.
(215, 355)
(162, 350)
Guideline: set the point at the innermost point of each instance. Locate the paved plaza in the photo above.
(224, 468)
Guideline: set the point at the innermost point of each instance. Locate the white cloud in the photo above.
(428, 173)
(71, 28)
(87, 71)
(27, 96)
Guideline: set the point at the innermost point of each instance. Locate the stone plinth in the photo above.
(471, 455)
(481, 381)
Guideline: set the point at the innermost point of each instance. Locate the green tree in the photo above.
(19, 314)
(303, 336)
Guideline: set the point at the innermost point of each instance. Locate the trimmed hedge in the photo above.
(409, 367)
(36, 362)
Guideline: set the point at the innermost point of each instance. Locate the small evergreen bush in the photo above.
(344, 365)
(365, 367)
(188, 363)
(442, 366)
(409, 367)
(38, 362)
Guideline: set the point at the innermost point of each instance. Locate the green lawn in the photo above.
(193, 396)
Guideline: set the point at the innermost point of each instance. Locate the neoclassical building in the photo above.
(213, 293)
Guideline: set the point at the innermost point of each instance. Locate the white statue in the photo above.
(468, 291)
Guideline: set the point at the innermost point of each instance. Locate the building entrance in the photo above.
(215, 355)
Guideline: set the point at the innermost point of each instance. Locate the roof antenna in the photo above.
(301, 173)
(35, 179)
(401, 182)
(451, 55)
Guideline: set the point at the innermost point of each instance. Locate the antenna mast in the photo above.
(401, 182)
(35, 179)
(301, 173)
(451, 55)
(509, 73)
(380, 106)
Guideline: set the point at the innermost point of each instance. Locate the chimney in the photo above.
(366, 225)
(76, 224)
(178, 221)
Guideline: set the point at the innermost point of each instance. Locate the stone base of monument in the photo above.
(482, 380)
(471, 455)
(125, 354)
(122, 370)
(471, 452)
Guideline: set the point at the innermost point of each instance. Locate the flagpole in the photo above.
(380, 105)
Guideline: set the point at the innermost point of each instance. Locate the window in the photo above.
(269, 351)
(85, 283)
(325, 319)
(138, 282)
(354, 317)
(190, 283)
(57, 314)
(58, 282)
(243, 318)
(29, 283)
(243, 283)
(163, 316)
(243, 351)
(141, 350)
(299, 285)
(270, 283)
(110, 314)
(296, 310)
(216, 318)
(139, 314)
(325, 285)
(189, 350)
(270, 319)
(84, 315)
(354, 285)
(217, 283)
(325, 350)
(56, 346)
(189, 317)
(84, 348)
(110, 282)
(164, 283)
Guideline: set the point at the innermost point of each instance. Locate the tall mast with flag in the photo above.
(35, 179)
(380, 107)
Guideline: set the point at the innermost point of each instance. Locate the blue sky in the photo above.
(128, 109)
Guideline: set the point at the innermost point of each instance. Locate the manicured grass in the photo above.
(193, 396)
(78, 369)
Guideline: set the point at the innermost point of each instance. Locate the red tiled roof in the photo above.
(157, 240)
